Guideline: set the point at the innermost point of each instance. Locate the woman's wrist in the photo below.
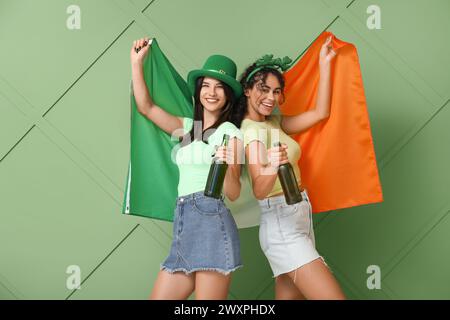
(324, 67)
(137, 65)
(271, 169)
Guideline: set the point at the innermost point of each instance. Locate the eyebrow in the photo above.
(208, 82)
(265, 85)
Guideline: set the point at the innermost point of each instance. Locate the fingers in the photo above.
(327, 47)
(141, 43)
(146, 47)
(222, 154)
(281, 148)
(278, 155)
(327, 53)
(226, 154)
(135, 46)
(332, 53)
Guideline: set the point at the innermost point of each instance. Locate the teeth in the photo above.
(267, 105)
(212, 100)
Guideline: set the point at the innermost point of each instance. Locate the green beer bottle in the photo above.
(288, 182)
(216, 175)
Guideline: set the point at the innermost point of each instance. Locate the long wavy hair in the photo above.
(259, 77)
(225, 113)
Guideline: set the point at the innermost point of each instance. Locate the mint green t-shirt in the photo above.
(194, 159)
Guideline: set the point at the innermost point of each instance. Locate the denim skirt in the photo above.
(286, 233)
(205, 237)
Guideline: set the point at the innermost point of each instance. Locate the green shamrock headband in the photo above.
(267, 61)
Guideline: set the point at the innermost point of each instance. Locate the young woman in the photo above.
(205, 245)
(286, 231)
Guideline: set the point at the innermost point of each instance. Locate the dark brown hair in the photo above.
(259, 76)
(225, 113)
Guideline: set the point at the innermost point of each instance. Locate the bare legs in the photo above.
(173, 286)
(285, 289)
(208, 285)
(311, 281)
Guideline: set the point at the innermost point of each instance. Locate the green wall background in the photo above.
(64, 141)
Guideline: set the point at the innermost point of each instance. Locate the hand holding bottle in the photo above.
(288, 179)
(217, 171)
(225, 154)
(277, 155)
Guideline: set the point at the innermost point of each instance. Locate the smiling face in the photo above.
(263, 97)
(212, 94)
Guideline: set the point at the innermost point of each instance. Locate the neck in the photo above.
(252, 114)
(209, 118)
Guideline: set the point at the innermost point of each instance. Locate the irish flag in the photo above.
(338, 163)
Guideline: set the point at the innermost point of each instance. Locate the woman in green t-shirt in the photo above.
(286, 231)
(205, 246)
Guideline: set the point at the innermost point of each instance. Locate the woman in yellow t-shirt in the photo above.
(286, 231)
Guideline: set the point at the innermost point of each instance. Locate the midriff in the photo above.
(280, 193)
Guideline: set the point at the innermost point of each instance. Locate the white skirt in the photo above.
(286, 233)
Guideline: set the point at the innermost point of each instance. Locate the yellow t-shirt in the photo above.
(269, 132)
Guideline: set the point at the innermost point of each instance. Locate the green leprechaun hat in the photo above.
(219, 67)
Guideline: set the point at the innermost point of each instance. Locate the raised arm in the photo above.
(145, 105)
(305, 120)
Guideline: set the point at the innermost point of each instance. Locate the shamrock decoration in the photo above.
(268, 60)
